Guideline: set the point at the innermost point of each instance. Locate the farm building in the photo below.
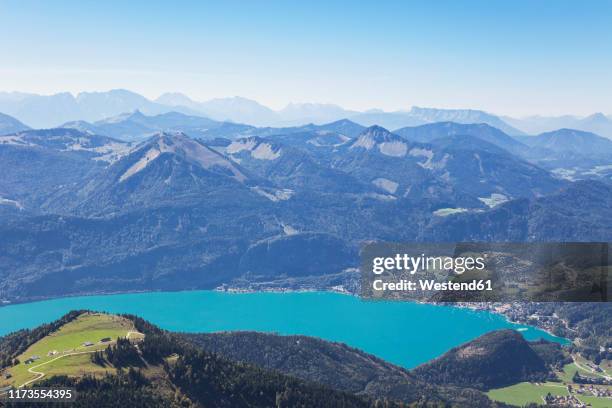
(32, 359)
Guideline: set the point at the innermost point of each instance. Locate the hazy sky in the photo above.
(507, 57)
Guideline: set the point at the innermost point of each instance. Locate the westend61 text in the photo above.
(431, 285)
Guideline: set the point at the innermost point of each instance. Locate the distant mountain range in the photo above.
(597, 123)
(570, 149)
(136, 126)
(570, 140)
(44, 111)
(489, 133)
(247, 111)
(239, 205)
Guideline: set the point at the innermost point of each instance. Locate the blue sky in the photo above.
(507, 57)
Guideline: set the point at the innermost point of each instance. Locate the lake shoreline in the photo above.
(341, 290)
(280, 290)
(407, 333)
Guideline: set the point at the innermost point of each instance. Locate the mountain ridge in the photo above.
(52, 110)
(597, 123)
(9, 124)
(156, 368)
(320, 361)
(494, 360)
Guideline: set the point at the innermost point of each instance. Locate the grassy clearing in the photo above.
(595, 401)
(74, 366)
(524, 393)
(89, 327)
(569, 370)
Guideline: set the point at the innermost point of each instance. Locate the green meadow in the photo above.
(524, 393)
(64, 352)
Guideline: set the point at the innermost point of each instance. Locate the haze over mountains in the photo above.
(44, 111)
(167, 201)
(185, 202)
(596, 123)
(134, 194)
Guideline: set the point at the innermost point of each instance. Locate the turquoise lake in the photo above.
(403, 333)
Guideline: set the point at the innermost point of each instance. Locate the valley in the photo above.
(205, 226)
(284, 204)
